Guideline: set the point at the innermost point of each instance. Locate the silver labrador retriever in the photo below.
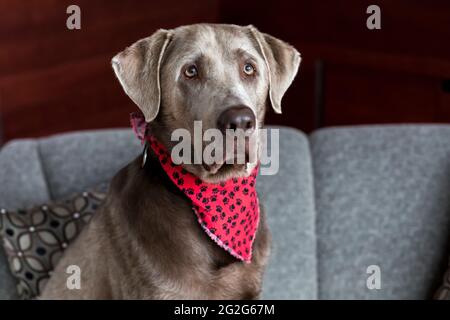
(144, 243)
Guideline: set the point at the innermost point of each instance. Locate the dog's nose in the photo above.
(237, 117)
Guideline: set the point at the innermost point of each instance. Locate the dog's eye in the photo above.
(191, 72)
(249, 69)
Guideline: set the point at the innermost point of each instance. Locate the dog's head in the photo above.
(221, 75)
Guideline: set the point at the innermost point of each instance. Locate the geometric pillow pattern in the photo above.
(443, 293)
(35, 239)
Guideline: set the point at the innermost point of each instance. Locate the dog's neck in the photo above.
(227, 211)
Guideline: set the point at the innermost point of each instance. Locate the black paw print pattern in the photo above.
(227, 211)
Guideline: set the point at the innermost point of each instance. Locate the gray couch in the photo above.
(344, 199)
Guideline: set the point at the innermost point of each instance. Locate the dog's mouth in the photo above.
(234, 160)
(223, 168)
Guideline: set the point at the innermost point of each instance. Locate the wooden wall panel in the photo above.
(53, 79)
(355, 96)
(405, 62)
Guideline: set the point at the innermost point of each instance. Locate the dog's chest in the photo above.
(177, 259)
(197, 267)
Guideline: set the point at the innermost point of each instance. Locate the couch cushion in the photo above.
(76, 161)
(22, 185)
(382, 197)
(35, 239)
(289, 201)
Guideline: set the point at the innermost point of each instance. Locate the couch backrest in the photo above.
(382, 199)
(343, 200)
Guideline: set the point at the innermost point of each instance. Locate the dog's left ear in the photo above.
(282, 61)
(138, 70)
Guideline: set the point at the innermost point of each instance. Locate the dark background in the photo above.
(53, 79)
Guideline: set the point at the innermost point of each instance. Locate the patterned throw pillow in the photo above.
(35, 239)
(443, 292)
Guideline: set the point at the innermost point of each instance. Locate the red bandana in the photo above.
(228, 211)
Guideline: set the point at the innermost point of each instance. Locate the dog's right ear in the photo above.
(138, 70)
(282, 61)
